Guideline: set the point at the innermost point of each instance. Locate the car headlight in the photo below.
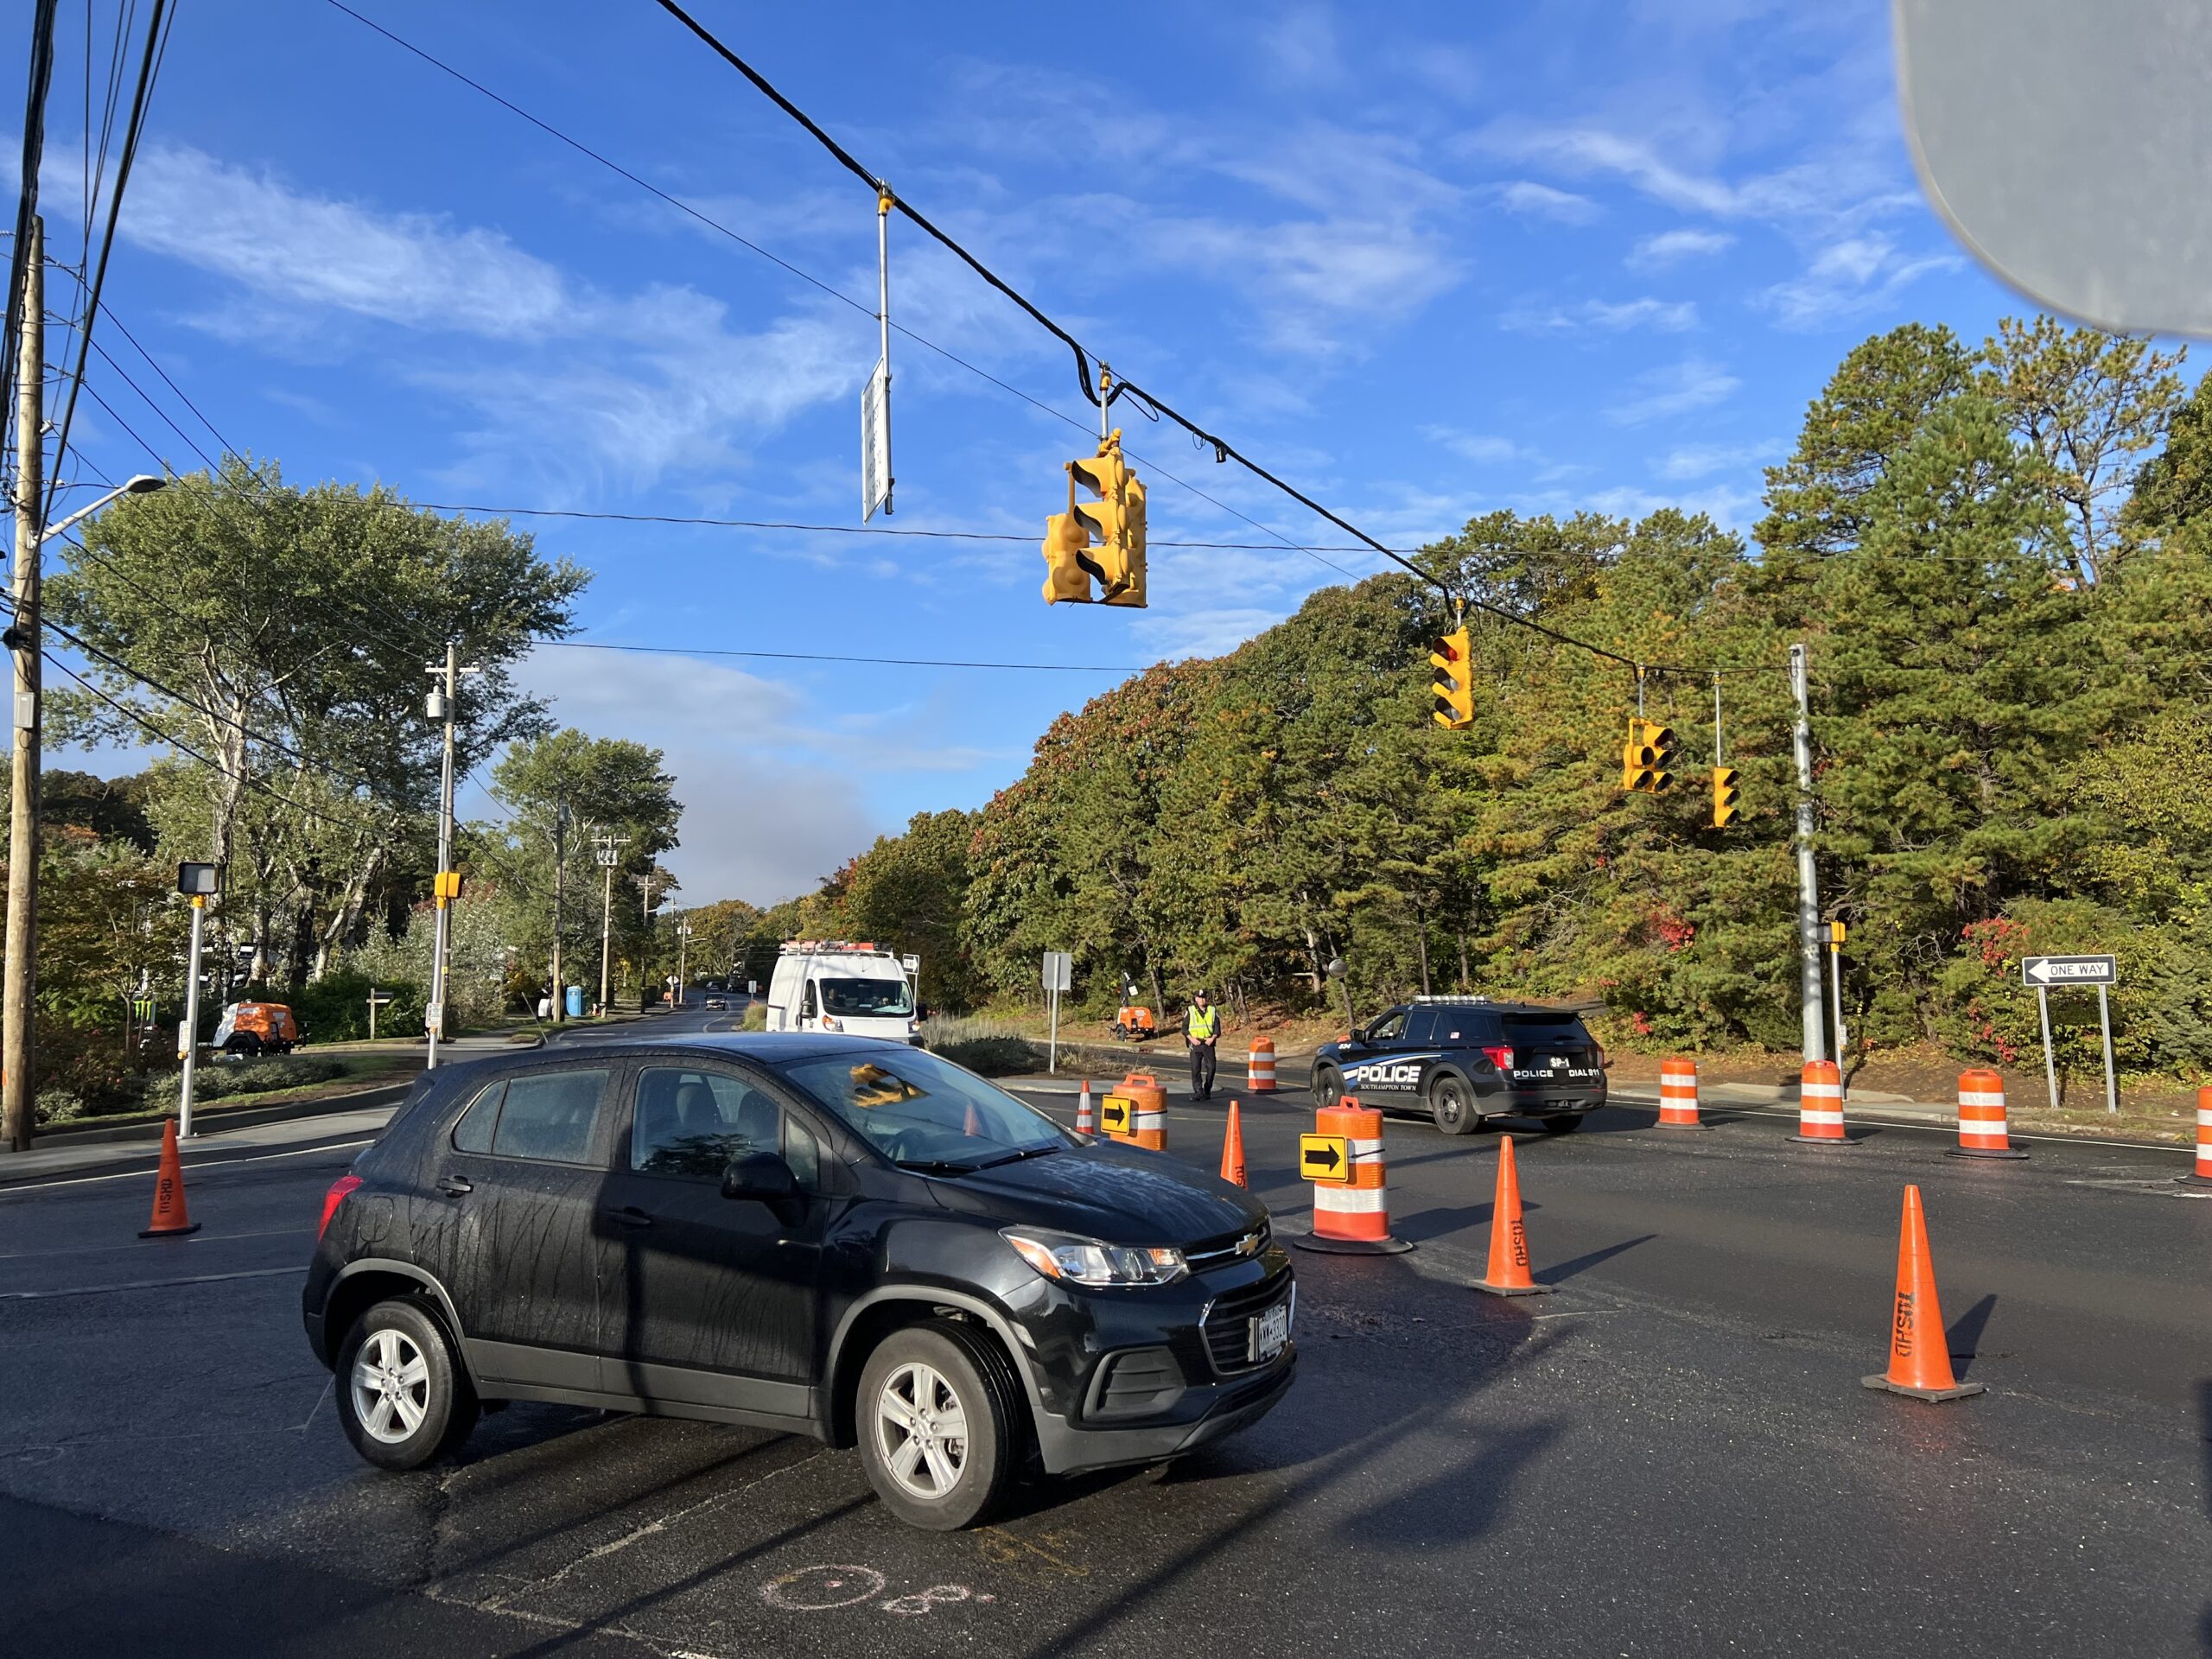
(1091, 1261)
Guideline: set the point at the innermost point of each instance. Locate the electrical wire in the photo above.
(816, 657)
(42, 79)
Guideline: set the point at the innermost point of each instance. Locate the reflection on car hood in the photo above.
(1121, 1194)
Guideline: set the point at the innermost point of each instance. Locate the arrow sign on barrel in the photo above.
(1324, 1157)
(2069, 971)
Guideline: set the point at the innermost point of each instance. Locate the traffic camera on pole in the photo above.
(1453, 681)
(1101, 541)
(1723, 797)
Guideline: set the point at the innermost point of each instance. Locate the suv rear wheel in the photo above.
(401, 1399)
(936, 1431)
(1452, 1102)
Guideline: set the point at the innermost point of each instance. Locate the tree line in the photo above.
(1997, 557)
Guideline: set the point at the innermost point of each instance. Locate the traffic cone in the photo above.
(1920, 1354)
(169, 1219)
(1509, 1239)
(1232, 1149)
(1086, 1121)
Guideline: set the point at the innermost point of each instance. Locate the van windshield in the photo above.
(867, 998)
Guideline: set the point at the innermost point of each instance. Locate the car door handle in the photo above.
(628, 1216)
(454, 1185)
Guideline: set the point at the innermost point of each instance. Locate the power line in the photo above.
(686, 208)
(816, 657)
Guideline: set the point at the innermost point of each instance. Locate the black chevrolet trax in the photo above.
(835, 1236)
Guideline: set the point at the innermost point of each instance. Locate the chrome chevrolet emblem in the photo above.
(1248, 1244)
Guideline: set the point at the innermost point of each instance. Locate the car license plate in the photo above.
(1270, 1333)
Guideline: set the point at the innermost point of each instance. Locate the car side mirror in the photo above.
(762, 1175)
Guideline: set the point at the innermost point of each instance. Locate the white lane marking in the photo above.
(146, 1284)
(203, 1163)
(139, 1244)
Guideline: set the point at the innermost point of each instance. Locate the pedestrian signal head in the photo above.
(1723, 797)
(1452, 685)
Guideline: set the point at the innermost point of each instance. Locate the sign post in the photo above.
(1059, 970)
(2102, 972)
(197, 882)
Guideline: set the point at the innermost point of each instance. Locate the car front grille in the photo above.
(1249, 1244)
(1227, 1326)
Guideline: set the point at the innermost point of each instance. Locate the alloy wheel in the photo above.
(392, 1386)
(921, 1430)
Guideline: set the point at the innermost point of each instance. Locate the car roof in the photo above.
(765, 1047)
(1488, 1006)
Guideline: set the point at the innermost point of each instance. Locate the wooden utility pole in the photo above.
(18, 1077)
(609, 857)
(560, 876)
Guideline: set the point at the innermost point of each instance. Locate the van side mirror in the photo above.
(762, 1175)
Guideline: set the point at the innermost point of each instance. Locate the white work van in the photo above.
(837, 985)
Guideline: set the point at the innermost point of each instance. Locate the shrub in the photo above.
(756, 1017)
(218, 1080)
(335, 1009)
(57, 1106)
(993, 1056)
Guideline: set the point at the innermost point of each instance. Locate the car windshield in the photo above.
(925, 1112)
(866, 999)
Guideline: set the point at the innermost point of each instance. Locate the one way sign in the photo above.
(2069, 971)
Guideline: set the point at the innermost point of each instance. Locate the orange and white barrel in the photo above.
(2202, 1175)
(1678, 1093)
(1354, 1216)
(1147, 1110)
(1819, 1104)
(1981, 1117)
(1259, 1066)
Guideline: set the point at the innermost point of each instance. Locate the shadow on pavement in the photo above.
(2204, 1431)
(1964, 1338)
(1566, 1270)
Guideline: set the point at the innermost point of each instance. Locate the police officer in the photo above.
(1201, 1030)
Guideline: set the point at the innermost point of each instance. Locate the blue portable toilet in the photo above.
(576, 1002)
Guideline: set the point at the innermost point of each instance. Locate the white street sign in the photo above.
(875, 441)
(1059, 970)
(2069, 971)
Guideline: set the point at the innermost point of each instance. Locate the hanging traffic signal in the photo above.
(1068, 577)
(1101, 541)
(1660, 739)
(1453, 683)
(1723, 797)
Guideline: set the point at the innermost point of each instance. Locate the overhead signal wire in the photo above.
(716, 226)
(819, 657)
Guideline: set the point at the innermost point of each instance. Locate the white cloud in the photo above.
(1691, 460)
(1848, 279)
(1542, 202)
(1666, 316)
(1202, 631)
(1671, 247)
(1477, 447)
(1677, 388)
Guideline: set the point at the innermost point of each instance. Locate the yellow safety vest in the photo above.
(1203, 1023)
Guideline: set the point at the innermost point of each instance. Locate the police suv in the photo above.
(1463, 1058)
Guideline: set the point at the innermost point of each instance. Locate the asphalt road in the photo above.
(1671, 1455)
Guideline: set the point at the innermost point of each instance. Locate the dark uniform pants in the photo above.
(1201, 1070)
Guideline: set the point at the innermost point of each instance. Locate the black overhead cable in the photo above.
(899, 328)
(1222, 448)
(817, 657)
(42, 79)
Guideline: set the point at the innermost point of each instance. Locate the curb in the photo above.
(219, 1119)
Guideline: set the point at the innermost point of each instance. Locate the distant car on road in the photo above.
(1462, 1059)
(839, 1236)
(714, 1002)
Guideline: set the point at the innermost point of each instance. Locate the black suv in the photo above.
(830, 1235)
(1464, 1058)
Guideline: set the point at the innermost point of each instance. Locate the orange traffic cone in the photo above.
(1509, 1239)
(1920, 1354)
(1086, 1121)
(169, 1219)
(1232, 1149)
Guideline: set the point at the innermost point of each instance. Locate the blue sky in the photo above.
(1423, 260)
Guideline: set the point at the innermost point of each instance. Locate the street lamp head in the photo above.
(145, 484)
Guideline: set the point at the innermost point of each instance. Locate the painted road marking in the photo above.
(147, 1284)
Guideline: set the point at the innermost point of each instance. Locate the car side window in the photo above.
(694, 1122)
(552, 1117)
(806, 1001)
(803, 1151)
(1389, 1028)
(1420, 1025)
(474, 1132)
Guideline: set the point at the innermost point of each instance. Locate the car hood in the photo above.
(1122, 1195)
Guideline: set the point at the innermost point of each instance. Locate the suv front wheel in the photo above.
(1328, 1086)
(1452, 1102)
(935, 1428)
(402, 1398)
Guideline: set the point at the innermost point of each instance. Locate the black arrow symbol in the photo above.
(1327, 1157)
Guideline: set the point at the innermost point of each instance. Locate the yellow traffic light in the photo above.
(1068, 576)
(1660, 739)
(1453, 683)
(1723, 797)
(1638, 759)
(445, 885)
(1133, 533)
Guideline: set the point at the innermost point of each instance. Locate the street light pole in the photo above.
(1810, 993)
(683, 947)
(608, 859)
(441, 706)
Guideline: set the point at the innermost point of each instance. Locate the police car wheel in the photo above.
(1328, 1086)
(1453, 1104)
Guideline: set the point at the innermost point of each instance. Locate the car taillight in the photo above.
(338, 1188)
(1500, 1057)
